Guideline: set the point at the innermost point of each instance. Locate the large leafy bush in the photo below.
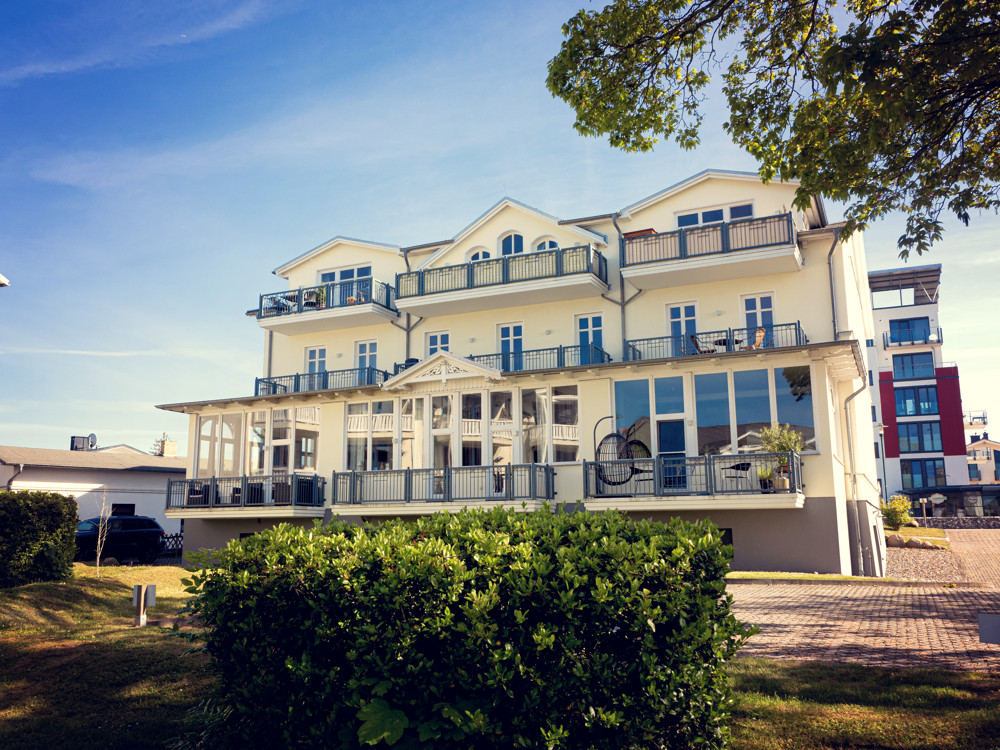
(473, 630)
(37, 537)
(896, 512)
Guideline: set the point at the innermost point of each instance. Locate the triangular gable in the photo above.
(587, 236)
(283, 270)
(440, 368)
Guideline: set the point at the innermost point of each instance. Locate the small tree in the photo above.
(896, 512)
(102, 528)
(157, 449)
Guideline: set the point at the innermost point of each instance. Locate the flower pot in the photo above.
(781, 483)
(766, 485)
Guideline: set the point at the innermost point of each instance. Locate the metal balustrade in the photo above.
(664, 476)
(452, 484)
(505, 270)
(247, 492)
(912, 337)
(975, 418)
(328, 380)
(725, 237)
(716, 342)
(327, 297)
(544, 359)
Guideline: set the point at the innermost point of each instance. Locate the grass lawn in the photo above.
(74, 673)
(934, 536)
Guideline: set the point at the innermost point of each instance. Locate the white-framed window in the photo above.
(345, 274)
(758, 311)
(682, 324)
(511, 243)
(315, 366)
(366, 360)
(589, 334)
(715, 215)
(438, 341)
(479, 253)
(546, 243)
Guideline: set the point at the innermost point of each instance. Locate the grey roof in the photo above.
(119, 458)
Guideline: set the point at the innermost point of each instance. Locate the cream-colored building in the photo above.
(494, 367)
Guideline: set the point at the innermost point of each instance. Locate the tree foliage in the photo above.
(889, 106)
(37, 537)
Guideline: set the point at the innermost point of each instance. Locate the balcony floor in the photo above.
(536, 291)
(738, 264)
(314, 321)
(249, 511)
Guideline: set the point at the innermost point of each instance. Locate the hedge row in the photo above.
(37, 537)
(472, 630)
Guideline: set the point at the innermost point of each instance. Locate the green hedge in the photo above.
(37, 537)
(473, 630)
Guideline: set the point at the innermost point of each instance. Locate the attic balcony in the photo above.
(913, 337)
(716, 252)
(343, 304)
(277, 495)
(717, 342)
(978, 456)
(744, 480)
(562, 274)
(975, 420)
(328, 380)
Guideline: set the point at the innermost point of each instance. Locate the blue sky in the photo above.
(157, 161)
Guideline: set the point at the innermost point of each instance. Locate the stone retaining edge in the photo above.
(848, 582)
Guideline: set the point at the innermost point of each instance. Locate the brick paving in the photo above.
(881, 625)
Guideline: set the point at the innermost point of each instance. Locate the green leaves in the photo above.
(381, 723)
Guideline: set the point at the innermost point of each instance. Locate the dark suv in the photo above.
(129, 538)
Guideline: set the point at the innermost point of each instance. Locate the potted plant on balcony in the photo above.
(321, 298)
(351, 300)
(765, 475)
(782, 440)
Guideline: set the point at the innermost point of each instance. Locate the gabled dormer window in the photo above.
(512, 244)
(715, 215)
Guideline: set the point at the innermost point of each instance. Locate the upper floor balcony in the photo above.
(530, 278)
(978, 455)
(975, 420)
(328, 380)
(716, 252)
(716, 342)
(234, 497)
(912, 337)
(342, 304)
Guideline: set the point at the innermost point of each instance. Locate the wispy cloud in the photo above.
(128, 36)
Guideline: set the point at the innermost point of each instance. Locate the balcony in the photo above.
(914, 337)
(531, 278)
(763, 479)
(975, 420)
(328, 380)
(716, 342)
(274, 495)
(717, 252)
(344, 304)
(978, 456)
(433, 487)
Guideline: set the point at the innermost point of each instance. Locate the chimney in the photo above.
(168, 448)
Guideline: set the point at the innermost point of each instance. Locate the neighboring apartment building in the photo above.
(132, 482)
(919, 423)
(984, 463)
(493, 367)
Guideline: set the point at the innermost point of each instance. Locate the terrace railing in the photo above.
(293, 490)
(911, 337)
(664, 476)
(975, 418)
(543, 359)
(328, 380)
(715, 342)
(725, 237)
(327, 297)
(506, 270)
(448, 485)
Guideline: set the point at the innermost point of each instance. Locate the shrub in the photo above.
(37, 537)
(476, 629)
(896, 512)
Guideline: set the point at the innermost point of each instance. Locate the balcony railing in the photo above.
(665, 476)
(453, 484)
(535, 359)
(978, 455)
(327, 297)
(974, 419)
(276, 490)
(506, 270)
(911, 337)
(715, 342)
(731, 236)
(328, 380)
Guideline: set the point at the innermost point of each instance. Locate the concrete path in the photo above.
(881, 625)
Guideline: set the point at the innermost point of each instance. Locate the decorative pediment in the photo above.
(440, 368)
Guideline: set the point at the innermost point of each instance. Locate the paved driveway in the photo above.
(881, 625)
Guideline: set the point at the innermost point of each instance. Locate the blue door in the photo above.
(590, 332)
(367, 362)
(510, 348)
(759, 313)
(670, 434)
(682, 328)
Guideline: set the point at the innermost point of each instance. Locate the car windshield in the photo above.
(86, 526)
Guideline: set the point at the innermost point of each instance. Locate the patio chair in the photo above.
(697, 347)
(758, 340)
(738, 471)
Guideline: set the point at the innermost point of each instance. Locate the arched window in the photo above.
(512, 244)
(546, 245)
(480, 255)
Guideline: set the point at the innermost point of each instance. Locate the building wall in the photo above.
(201, 535)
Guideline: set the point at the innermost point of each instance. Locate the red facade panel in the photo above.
(887, 397)
(950, 407)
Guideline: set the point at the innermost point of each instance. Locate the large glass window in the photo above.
(472, 429)
(512, 244)
(682, 325)
(383, 430)
(909, 331)
(711, 393)
(669, 395)
(793, 396)
(920, 365)
(256, 450)
(632, 410)
(502, 426)
(281, 440)
(753, 407)
(916, 401)
(974, 472)
(306, 437)
(919, 437)
(534, 429)
(357, 437)
(208, 429)
(565, 423)
(439, 341)
(923, 473)
(411, 454)
(232, 437)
